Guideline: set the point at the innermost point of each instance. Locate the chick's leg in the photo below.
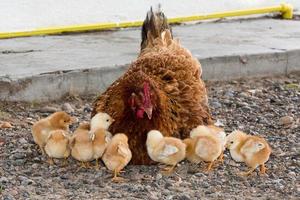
(82, 165)
(97, 166)
(221, 158)
(116, 178)
(209, 166)
(50, 161)
(65, 162)
(263, 169)
(85, 165)
(42, 149)
(168, 170)
(88, 165)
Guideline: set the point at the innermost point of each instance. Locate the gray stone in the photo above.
(184, 197)
(18, 155)
(229, 94)
(158, 176)
(3, 180)
(8, 197)
(48, 109)
(23, 141)
(216, 104)
(286, 120)
(68, 108)
(25, 181)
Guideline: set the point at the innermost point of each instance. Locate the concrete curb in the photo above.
(55, 85)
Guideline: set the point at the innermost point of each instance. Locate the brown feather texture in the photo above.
(161, 90)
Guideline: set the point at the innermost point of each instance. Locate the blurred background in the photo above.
(16, 15)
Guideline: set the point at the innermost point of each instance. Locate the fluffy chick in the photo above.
(100, 121)
(235, 141)
(208, 130)
(100, 142)
(190, 150)
(117, 155)
(205, 144)
(82, 145)
(166, 150)
(99, 134)
(57, 145)
(253, 150)
(222, 136)
(58, 120)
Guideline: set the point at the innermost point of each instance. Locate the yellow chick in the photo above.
(82, 146)
(100, 121)
(208, 130)
(190, 150)
(235, 141)
(58, 120)
(166, 150)
(117, 155)
(205, 144)
(99, 134)
(253, 150)
(222, 136)
(57, 145)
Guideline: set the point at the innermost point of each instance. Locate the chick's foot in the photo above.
(65, 162)
(97, 165)
(221, 158)
(168, 170)
(209, 167)
(263, 169)
(50, 161)
(116, 178)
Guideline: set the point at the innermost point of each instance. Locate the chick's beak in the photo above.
(227, 145)
(148, 111)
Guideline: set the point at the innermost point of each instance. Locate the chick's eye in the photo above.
(231, 142)
(107, 120)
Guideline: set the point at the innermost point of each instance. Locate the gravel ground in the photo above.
(255, 106)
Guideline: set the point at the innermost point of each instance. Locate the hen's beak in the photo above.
(148, 111)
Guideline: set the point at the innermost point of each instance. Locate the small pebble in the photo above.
(68, 108)
(286, 120)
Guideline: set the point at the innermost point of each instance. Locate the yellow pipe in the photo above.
(286, 11)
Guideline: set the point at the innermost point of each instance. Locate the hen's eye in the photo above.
(231, 142)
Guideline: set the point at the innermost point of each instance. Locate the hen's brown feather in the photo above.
(179, 94)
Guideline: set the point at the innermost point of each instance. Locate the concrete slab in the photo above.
(88, 63)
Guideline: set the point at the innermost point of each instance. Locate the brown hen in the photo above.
(161, 90)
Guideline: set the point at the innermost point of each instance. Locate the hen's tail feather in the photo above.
(154, 25)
